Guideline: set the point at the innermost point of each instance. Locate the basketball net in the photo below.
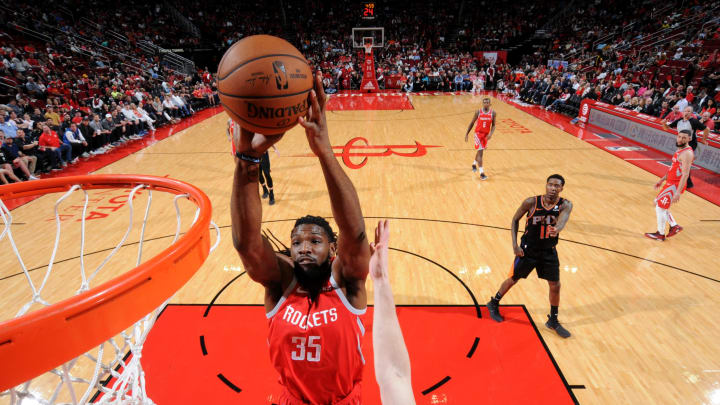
(368, 48)
(115, 373)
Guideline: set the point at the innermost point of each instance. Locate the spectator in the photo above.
(52, 115)
(706, 119)
(709, 108)
(674, 115)
(9, 127)
(30, 148)
(682, 102)
(61, 153)
(663, 111)
(25, 163)
(97, 105)
(648, 108)
(88, 132)
(112, 131)
(5, 167)
(77, 142)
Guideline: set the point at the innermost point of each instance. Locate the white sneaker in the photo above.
(85, 155)
(93, 152)
(33, 177)
(74, 161)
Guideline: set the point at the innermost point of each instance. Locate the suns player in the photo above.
(675, 183)
(484, 122)
(546, 215)
(315, 297)
(266, 180)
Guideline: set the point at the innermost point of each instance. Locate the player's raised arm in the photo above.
(255, 251)
(392, 361)
(353, 247)
(472, 122)
(524, 208)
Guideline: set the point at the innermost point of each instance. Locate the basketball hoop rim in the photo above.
(48, 337)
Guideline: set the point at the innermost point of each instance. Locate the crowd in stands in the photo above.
(658, 67)
(63, 100)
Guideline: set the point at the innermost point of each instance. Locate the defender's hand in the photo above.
(379, 249)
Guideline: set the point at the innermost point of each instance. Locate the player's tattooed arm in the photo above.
(524, 208)
(472, 122)
(565, 210)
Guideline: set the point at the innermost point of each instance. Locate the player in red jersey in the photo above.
(484, 122)
(315, 297)
(675, 185)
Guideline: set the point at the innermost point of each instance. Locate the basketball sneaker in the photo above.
(656, 236)
(674, 230)
(483, 176)
(494, 309)
(474, 168)
(272, 198)
(554, 324)
(265, 193)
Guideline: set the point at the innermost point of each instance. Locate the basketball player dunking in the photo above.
(315, 297)
(675, 185)
(484, 122)
(546, 217)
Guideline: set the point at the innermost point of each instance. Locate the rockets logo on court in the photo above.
(350, 149)
(281, 79)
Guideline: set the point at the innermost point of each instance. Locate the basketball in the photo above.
(263, 84)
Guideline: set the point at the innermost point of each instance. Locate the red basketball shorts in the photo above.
(665, 196)
(480, 141)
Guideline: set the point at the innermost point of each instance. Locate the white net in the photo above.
(111, 373)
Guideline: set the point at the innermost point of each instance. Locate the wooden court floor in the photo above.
(644, 314)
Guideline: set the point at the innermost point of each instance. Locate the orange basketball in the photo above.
(263, 83)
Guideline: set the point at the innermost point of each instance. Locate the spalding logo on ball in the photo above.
(263, 82)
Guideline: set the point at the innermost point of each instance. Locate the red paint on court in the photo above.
(361, 101)
(509, 365)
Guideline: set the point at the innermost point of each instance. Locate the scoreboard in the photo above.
(368, 10)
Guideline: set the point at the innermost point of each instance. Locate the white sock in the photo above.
(474, 162)
(480, 169)
(662, 215)
(671, 220)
